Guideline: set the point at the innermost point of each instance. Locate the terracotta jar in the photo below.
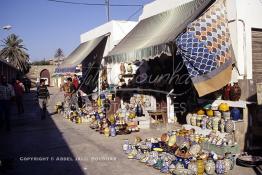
(235, 92)
(226, 92)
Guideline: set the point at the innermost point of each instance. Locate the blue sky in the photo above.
(45, 26)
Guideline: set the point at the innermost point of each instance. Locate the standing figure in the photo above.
(43, 95)
(6, 96)
(19, 92)
(75, 81)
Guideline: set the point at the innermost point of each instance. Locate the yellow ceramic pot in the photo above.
(223, 107)
(106, 132)
(200, 112)
(200, 167)
(210, 112)
(99, 102)
(172, 140)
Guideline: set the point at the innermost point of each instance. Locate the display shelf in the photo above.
(237, 104)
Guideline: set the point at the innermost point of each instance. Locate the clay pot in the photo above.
(235, 92)
(226, 92)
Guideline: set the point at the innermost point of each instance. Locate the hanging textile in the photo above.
(206, 50)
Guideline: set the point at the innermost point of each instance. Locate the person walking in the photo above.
(19, 92)
(43, 95)
(75, 81)
(7, 94)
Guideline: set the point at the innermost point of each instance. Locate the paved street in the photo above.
(59, 142)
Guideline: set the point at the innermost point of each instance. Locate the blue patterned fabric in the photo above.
(205, 46)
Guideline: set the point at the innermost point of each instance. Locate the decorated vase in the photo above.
(235, 92)
(188, 118)
(112, 131)
(107, 132)
(193, 120)
(199, 120)
(229, 127)
(209, 123)
(228, 165)
(204, 122)
(195, 149)
(172, 140)
(192, 166)
(129, 68)
(226, 115)
(215, 123)
(231, 158)
(200, 167)
(235, 114)
(222, 125)
(210, 167)
(220, 167)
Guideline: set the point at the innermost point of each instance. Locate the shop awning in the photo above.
(151, 35)
(79, 54)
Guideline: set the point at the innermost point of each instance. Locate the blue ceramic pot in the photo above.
(235, 114)
(112, 131)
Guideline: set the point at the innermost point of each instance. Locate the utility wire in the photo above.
(131, 16)
(97, 4)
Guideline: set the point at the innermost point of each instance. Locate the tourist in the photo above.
(19, 92)
(71, 92)
(43, 95)
(7, 94)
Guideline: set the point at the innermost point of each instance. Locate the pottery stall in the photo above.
(181, 151)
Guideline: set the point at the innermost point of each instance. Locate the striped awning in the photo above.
(151, 36)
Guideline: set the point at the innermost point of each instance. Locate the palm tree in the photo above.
(59, 56)
(14, 51)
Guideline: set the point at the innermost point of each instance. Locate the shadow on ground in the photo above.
(35, 146)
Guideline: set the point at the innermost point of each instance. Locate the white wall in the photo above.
(117, 30)
(250, 12)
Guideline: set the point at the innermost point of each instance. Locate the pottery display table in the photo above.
(158, 117)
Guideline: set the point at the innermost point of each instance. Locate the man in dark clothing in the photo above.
(6, 96)
(43, 95)
(19, 92)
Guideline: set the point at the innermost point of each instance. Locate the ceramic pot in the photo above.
(220, 167)
(194, 150)
(172, 140)
(222, 125)
(235, 114)
(200, 112)
(210, 167)
(199, 120)
(231, 158)
(164, 137)
(204, 122)
(226, 92)
(129, 68)
(107, 132)
(188, 118)
(200, 167)
(228, 165)
(193, 120)
(229, 126)
(226, 115)
(192, 166)
(215, 123)
(122, 68)
(112, 131)
(223, 107)
(209, 123)
(217, 113)
(210, 113)
(235, 92)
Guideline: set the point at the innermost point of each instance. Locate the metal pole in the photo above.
(108, 10)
